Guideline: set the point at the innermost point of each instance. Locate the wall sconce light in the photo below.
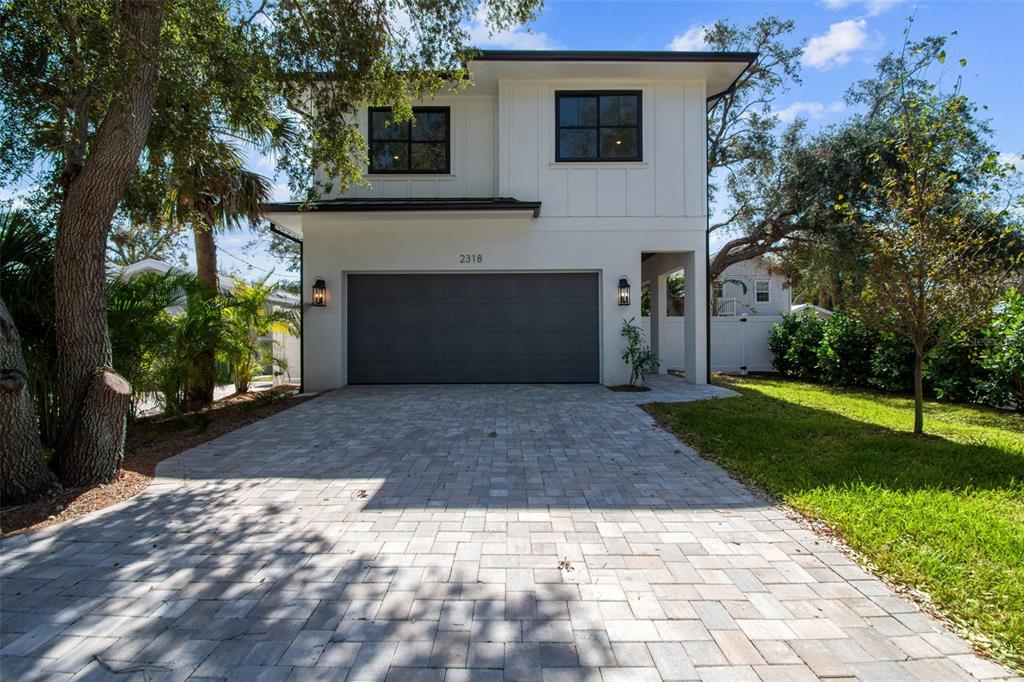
(623, 291)
(319, 293)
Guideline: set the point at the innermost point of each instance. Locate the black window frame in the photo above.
(447, 111)
(562, 94)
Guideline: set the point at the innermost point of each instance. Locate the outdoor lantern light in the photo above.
(320, 293)
(623, 291)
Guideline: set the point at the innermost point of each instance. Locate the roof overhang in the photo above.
(286, 217)
(720, 70)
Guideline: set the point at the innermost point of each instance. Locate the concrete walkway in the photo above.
(456, 533)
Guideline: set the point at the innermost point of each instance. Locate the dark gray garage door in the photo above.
(472, 328)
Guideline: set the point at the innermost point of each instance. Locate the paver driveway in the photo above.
(462, 532)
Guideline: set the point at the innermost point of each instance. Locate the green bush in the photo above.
(1003, 355)
(779, 340)
(953, 371)
(844, 353)
(982, 366)
(794, 344)
(892, 364)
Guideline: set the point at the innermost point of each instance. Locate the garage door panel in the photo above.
(473, 328)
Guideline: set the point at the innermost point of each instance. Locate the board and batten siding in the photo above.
(473, 152)
(669, 181)
(748, 272)
(505, 146)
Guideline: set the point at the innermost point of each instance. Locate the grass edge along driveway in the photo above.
(943, 513)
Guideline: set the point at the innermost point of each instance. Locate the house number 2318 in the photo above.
(471, 258)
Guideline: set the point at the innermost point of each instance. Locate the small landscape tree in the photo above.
(939, 250)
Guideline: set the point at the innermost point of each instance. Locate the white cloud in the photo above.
(814, 110)
(835, 46)
(693, 39)
(1016, 160)
(514, 38)
(872, 7)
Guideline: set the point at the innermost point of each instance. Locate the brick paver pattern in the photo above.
(456, 533)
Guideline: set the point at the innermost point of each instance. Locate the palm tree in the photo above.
(248, 322)
(26, 284)
(211, 190)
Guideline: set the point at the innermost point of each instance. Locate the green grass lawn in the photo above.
(943, 513)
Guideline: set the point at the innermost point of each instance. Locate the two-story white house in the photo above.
(505, 234)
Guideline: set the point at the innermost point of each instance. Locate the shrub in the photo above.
(780, 338)
(638, 355)
(801, 355)
(1003, 355)
(953, 371)
(892, 364)
(844, 353)
(983, 366)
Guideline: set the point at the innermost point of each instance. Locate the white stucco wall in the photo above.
(335, 247)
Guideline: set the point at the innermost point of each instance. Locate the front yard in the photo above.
(943, 514)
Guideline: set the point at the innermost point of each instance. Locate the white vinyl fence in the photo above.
(738, 344)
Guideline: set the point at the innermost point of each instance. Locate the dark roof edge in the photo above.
(609, 56)
(406, 205)
(713, 99)
(287, 234)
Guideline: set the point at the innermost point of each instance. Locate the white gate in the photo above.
(738, 344)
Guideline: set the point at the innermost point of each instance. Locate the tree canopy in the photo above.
(99, 98)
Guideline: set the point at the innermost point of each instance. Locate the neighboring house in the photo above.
(287, 347)
(808, 309)
(496, 238)
(748, 299)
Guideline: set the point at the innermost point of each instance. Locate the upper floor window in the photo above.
(762, 291)
(420, 146)
(598, 126)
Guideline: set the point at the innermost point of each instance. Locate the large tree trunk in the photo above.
(204, 374)
(24, 475)
(92, 192)
(918, 390)
(100, 429)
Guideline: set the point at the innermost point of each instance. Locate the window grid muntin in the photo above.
(767, 291)
(561, 95)
(408, 141)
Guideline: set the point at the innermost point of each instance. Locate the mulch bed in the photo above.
(626, 388)
(150, 440)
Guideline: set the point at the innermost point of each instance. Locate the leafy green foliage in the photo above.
(940, 247)
(131, 243)
(794, 343)
(981, 366)
(26, 285)
(953, 370)
(248, 322)
(892, 364)
(675, 290)
(197, 332)
(943, 514)
(638, 355)
(844, 352)
(142, 331)
(1003, 354)
(287, 74)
